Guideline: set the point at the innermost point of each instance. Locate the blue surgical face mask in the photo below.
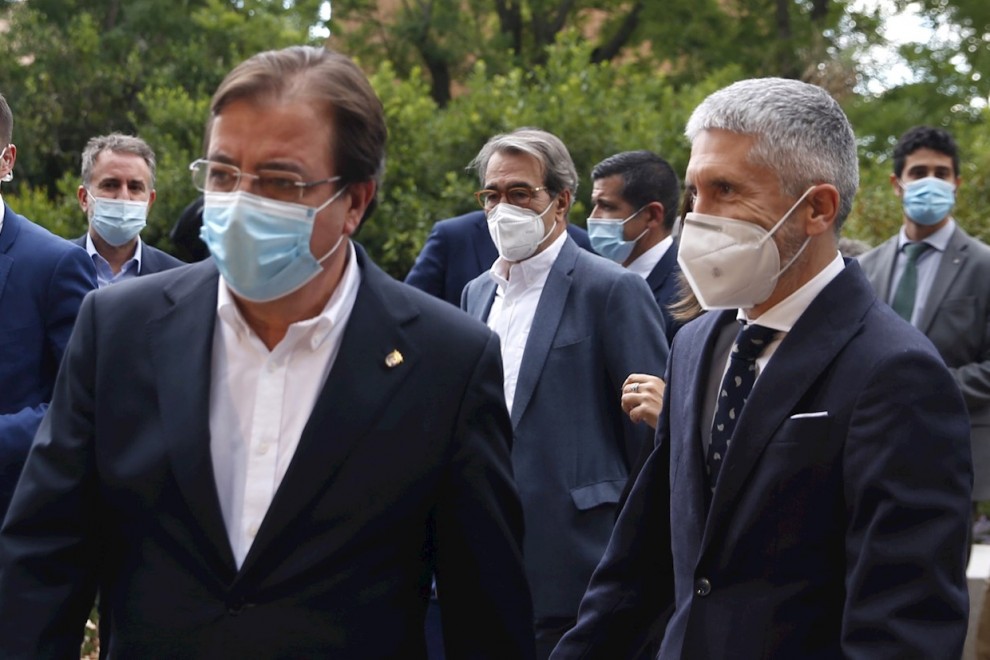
(260, 245)
(927, 201)
(117, 221)
(606, 237)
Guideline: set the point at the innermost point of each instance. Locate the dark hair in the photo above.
(326, 77)
(6, 122)
(646, 177)
(925, 137)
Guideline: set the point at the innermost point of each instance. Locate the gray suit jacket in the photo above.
(957, 320)
(595, 323)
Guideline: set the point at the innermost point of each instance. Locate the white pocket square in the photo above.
(823, 413)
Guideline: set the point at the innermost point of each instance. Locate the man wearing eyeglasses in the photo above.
(572, 326)
(269, 453)
(116, 194)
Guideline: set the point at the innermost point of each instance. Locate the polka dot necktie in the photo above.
(736, 386)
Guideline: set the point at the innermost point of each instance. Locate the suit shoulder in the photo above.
(164, 259)
(438, 315)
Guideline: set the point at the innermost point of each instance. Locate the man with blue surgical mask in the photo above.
(116, 194)
(937, 276)
(635, 196)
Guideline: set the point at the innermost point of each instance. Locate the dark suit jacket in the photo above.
(595, 324)
(957, 320)
(153, 260)
(400, 472)
(458, 250)
(663, 282)
(840, 521)
(43, 279)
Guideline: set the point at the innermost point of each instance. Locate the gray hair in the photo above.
(120, 144)
(559, 173)
(801, 133)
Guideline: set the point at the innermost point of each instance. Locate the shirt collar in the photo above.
(335, 312)
(93, 252)
(529, 271)
(785, 314)
(644, 264)
(938, 240)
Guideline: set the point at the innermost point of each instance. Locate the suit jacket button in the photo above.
(235, 607)
(702, 587)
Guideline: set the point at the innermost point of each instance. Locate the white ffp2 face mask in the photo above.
(731, 264)
(517, 232)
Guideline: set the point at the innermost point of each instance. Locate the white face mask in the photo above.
(517, 232)
(731, 264)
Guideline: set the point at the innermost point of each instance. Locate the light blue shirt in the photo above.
(105, 274)
(927, 265)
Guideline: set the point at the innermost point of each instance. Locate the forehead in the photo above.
(508, 168)
(928, 160)
(251, 134)
(716, 152)
(610, 187)
(122, 166)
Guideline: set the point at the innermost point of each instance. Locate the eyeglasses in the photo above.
(517, 196)
(210, 176)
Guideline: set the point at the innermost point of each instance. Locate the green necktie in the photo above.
(907, 287)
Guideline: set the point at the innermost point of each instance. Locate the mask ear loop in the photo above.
(773, 230)
(339, 240)
(803, 245)
(540, 216)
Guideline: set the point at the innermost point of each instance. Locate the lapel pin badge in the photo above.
(393, 359)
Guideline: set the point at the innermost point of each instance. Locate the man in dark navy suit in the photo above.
(808, 494)
(43, 279)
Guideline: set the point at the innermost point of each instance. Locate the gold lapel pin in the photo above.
(393, 359)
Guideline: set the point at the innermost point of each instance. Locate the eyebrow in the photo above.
(512, 184)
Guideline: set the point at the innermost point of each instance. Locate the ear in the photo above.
(654, 215)
(8, 163)
(151, 199)
(83, 198)
(895, 183)
(563, 204)
(958, 182)
(824, 204)
(357, 197)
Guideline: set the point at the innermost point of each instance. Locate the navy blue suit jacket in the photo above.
(457, 251)
(839, 524)
(663, 282)
(153, 260)
(43, 279)
(595, 323)
(402, 471)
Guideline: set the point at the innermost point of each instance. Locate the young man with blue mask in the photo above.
(116, 194)
(937, 276)
(635, 196)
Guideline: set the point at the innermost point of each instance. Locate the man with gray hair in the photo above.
(572, 326)
(808, 496)
(116, 194)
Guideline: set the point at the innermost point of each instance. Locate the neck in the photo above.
(916, 232)
(116, 255)
(649, 240)
(816, 257)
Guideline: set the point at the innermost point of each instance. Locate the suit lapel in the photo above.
(885, 268)
(8, 234)
(186, 329)
(358, 386)
(952, 263)
(485, 252)
(662, 270)
(549, 311)
(821, 332)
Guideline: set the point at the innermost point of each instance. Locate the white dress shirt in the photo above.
(520, 286)
(927, 265)
(644, 264)
(260, 401)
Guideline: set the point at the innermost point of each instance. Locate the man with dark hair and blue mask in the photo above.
(937, 277)
(116, 194)
(269, 453)
(635, 196)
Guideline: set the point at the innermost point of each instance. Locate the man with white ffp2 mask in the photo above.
(808, 494)
(116, 194)
(572, 326)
